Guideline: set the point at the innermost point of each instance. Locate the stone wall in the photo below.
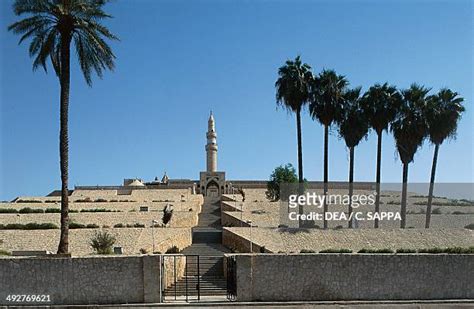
(132, 240)
(74, 281)
(295, 240)
(238, 243)
(304, 277)
(174, 268)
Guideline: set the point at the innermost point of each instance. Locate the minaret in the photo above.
(211, 147)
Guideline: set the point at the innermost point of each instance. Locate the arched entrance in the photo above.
(212, 189)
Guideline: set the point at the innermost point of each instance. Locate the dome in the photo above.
(136, 183)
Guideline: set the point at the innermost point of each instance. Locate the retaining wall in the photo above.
(301, 277)
(74, 281)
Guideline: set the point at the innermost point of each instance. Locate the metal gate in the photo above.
(231, 277)
(189, 277)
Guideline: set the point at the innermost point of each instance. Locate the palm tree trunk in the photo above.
(63, 246)
(351, 182)
(403, 210)
(377, 177)
(300, 146)
(325, 207)
(430, 193)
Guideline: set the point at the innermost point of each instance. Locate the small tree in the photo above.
(102, 242)
(281, 174)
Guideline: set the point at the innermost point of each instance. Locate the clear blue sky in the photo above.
(179, 59)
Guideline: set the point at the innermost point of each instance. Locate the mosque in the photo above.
(212, 183)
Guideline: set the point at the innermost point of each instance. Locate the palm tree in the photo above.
(380, 104)
(353, 126)
(52, 25)
(409, 129)
(326, 103)
(443, 112)
(292, 93)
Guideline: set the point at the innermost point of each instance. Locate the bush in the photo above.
(100, 200)
(375, 251)
(171, 250)
(8, 211)
(74, 225)
(435, 250)
(307, 251)
(436, 211)
(4, 252)
(28, 210)
(449, 250)
(28, 201)
(459, 250)
(336, 251)
(85, 200)
(99, 210)
(92, 226)
(28, 226)
(138, 225)
(143, 251)
(52, 210)
(470, 226)
(103, 242)
(119, 225)
(458, 213)
(402, 250)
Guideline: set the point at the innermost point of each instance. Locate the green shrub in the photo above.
(119, 225)
(336, 251)
(307, 251)
(8, 211)
(92, 226)
(458, 213)
(99, 210)
(402, 250)
(28, 210)
(470, 226)
(100, 200)
(386, 250)
(4, 252)
(449, 250)
(172, 250)
(103, 242)
(436, 211)
(28, 226)
(28, 201)
(139, 225)
(459, 250)
(85, 200)
(75, 225)
(52, 210)
(435, 250)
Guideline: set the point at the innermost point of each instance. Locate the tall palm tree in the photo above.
(292, 93)
(52, 25)
(380, 104)
(409, 129)
(443, 111)
(353, 127)
(326, 103)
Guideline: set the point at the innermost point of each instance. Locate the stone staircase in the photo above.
(205, 257)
